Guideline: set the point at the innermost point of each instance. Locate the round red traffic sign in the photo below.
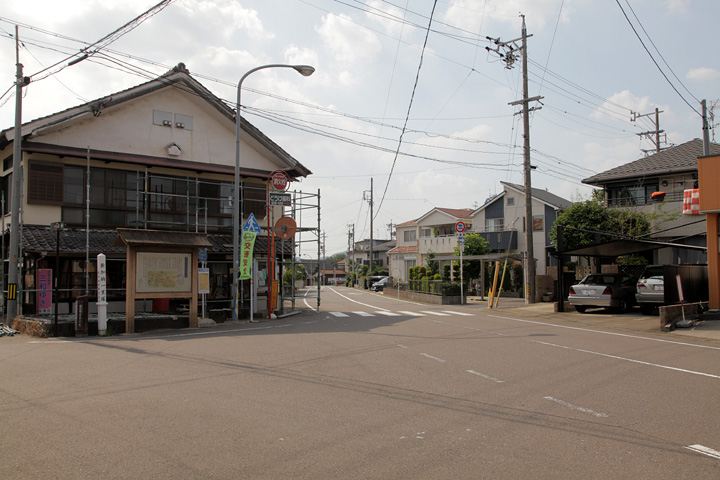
(460, 227)
(279, 180)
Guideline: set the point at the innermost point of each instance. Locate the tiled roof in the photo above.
(412, 248)
(40, 239)
(543, 196)
(682, 158)
(457, 212)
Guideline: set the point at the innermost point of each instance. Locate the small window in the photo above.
(45, 183)
(425, 232)
(510, 201)
(409, 236)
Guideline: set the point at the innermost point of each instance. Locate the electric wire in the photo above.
(655, 61)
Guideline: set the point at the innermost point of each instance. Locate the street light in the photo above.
(305, 71)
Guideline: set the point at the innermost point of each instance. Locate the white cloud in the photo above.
(225, 17)
(348, 42)
(703, 74)
(625, 99)
(677, 6)
(470, 14)
(391, 25)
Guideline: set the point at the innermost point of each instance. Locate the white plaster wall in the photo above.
(129, 128)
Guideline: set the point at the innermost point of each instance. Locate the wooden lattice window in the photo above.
(45, 183)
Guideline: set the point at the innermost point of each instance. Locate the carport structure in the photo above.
(611, 249)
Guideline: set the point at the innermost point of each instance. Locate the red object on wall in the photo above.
(691, 201)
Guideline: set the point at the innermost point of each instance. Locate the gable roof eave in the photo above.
(178, 77)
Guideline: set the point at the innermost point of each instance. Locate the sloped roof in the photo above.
(40, 239)
(678, 159)
(452, 212)
(542, 195)
(179, 77)
(411, 248)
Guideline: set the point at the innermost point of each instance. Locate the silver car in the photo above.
(614, 291)
(650, 292)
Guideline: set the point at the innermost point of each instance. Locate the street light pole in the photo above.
(304, 70)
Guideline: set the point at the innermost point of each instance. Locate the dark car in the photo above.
(615, 291)
(379, 285)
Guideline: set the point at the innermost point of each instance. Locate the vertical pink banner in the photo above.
(44, 294)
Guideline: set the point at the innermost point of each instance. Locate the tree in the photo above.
(590, 222)
(474, 245)
(300, 274)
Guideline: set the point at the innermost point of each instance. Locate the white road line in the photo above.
(485, 376)
(605, 333)
(433, 358)
(629, 359)
(463, 314)
(412, 314)
(704, 450)
(306, 302)
(439, 314)
(574, 407)
(388, 314)
(339, 314)
(364, 314)
(355, 301)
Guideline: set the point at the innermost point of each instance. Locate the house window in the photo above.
(510, 201)
(630, 195)
(6, 192)
(425, 232)
(494, 224)
(45, 183)
(254, 200)
(409, 236)
(409, 263)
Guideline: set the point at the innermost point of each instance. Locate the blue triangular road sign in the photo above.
(251, 225)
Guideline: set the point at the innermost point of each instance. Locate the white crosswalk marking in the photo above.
(388, 314)
(339, 314)
(412, 314)
(364, 314)
(439, 314)
(464, 314)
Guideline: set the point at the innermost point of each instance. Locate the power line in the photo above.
(412, 97)
(653, 59)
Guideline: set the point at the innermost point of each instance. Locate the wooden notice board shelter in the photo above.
(161, 264)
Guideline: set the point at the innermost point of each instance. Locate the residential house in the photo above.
(360, 254)
(432, 233)
(656, 185)
(159, 158)
(501, 222)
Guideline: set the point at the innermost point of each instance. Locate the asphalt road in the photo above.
(369, 387)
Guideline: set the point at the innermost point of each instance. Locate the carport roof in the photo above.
(624, 247)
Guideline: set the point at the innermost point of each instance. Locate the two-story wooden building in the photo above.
(158, 157)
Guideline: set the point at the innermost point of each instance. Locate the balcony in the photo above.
(500, 239)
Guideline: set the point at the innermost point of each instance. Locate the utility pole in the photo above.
(705, 129)
(13, 260)
(655, 132)
(509, 55)
(371, 224)
(391, 227)
(351, 246)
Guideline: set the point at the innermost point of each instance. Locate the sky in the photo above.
(406, 95)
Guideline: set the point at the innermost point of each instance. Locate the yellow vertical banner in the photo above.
(246, 252)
